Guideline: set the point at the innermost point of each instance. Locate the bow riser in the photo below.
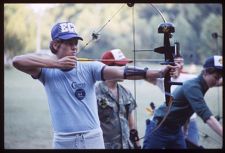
(169, 54)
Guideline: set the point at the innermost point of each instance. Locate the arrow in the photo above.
(111, 60)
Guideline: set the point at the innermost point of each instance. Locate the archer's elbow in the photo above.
(17, 62)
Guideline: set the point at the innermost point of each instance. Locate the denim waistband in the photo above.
(166, 123)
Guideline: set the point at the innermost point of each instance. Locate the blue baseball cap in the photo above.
(64, 31)
(214, 62)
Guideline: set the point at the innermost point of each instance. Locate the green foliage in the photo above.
(210, 25)
(194, 24)
(19, 29)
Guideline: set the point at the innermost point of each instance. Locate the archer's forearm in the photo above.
(135, 73)
(131, 73)
(215, 125)
(152, 75)
(31, 61)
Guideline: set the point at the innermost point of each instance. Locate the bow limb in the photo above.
(169, 52)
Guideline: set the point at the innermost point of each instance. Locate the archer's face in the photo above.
(67, 48)
(212, 79)
(180, 62)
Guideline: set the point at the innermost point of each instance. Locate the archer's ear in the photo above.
(54, 46)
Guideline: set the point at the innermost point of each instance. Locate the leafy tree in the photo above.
(194, 24)
(19, 29)
(213, 23)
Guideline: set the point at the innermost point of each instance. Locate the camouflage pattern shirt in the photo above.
(113, 115)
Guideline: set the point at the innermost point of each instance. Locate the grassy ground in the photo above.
(27, 120)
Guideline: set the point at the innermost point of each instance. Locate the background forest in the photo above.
(27, 28)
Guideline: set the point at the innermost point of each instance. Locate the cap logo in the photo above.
(218, 60)
(67, 27)
(117, 54)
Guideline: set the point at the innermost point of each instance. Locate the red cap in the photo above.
(115, 57)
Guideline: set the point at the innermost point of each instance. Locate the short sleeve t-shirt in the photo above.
(71, 96)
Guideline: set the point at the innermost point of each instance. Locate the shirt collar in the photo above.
(203, 83)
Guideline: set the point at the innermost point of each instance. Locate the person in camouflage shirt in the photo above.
(115, 106)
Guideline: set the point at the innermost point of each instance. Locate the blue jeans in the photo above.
(88, 140)
(163, 138)
(193, 131)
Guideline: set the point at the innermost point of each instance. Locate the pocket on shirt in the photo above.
(105, 110)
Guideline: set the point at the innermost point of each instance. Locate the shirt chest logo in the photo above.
(79, 90)
(80, 94)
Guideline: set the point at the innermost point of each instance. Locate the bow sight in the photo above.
(130, 4)
(169, 51)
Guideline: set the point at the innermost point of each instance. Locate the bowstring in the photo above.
(167, 113)
(164, 118)
(134, 56)
(95, 35)
(164, 20)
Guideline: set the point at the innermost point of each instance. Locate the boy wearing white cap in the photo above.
(187, 99)
(69, 85)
